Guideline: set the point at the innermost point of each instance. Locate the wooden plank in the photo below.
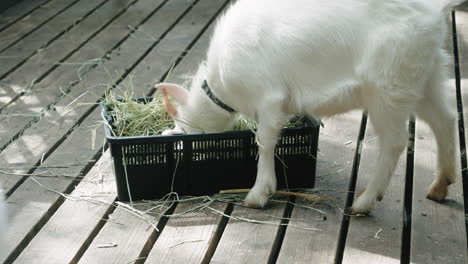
(55, 85)
(20, 10)
(70, 228)
(6, 5)
(18, 82)
(190, 62)
(61, 26)
(143, 74)
(377, 237)
(187, 237)
(30, 206)
(244, 242)
(32, 22)
(128, 232)
(337, 145)
(438, 233)
(73, 148)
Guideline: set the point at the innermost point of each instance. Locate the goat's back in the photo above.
(313, 47)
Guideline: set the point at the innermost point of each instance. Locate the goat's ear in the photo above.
(175, 91)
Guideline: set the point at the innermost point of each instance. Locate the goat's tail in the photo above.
(447, 5)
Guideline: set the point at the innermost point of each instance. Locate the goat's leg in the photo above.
(390, 127)
(435, 110)
(268, 129)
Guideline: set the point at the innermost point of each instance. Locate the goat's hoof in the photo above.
(437, 191)
(256, 199)
(363, 205)
(357, 212)
(354, 210)
(380, 197)
(253, 205)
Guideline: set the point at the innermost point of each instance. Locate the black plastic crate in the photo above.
(198, 164)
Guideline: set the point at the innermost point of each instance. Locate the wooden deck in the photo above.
(57, 54)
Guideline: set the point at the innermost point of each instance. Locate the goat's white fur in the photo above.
(271, 59)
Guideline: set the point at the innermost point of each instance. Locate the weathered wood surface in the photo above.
(31, 205)
(29, 24)
(4, 5)
(244, 242)
(38, 41)
(128, 232)
(19, 10)
(57, 84)
(377, 237)
(438, 227)
(142, 42)
(85, 209)
(187, 237)
(26, 75)
(337, 145)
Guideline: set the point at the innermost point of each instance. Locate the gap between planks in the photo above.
(31, 26)
(351, 190)
(460, 111)
(41, 40)
(19, 11)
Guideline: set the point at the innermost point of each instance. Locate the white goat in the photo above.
(271, 59)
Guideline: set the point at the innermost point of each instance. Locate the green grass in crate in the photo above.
(136, 118)
(133, 118)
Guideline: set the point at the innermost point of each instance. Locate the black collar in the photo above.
(215, 99)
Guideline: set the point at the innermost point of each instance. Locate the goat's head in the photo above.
(195, 112)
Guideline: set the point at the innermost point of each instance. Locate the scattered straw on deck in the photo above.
(151, 211)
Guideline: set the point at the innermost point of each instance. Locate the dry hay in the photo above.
(145, 117)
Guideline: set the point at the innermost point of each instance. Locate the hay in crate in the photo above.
(148, 117)
(145, 117)
(136, 118)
